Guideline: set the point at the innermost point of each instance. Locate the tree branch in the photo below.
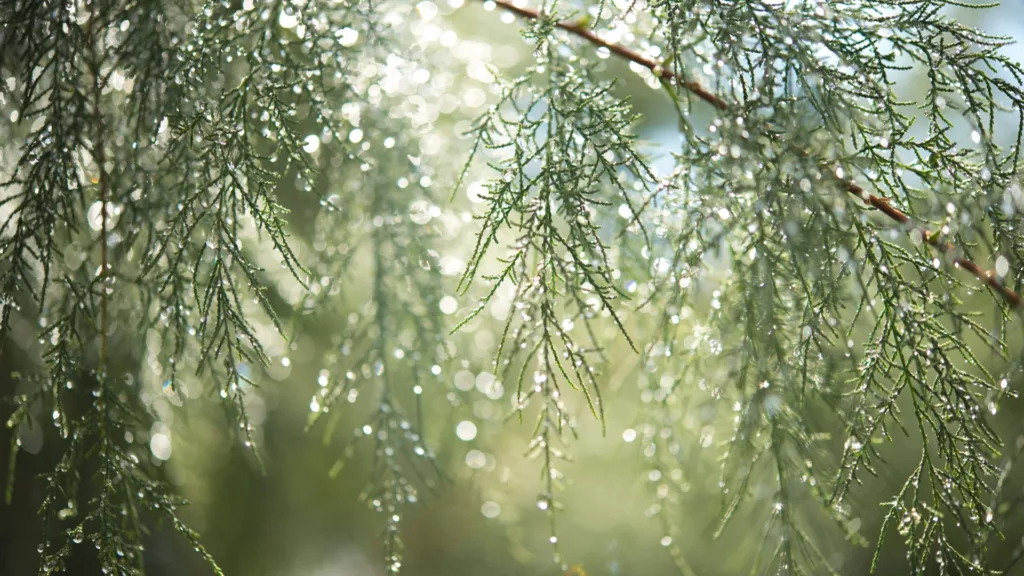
(990, 278)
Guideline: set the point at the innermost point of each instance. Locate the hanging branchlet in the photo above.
(378, 208)
(566, 154)
(547, 443)
(384, 352)
(567, 162)
(61, 95)
(43, 197)
(125, 497)
(225, 162)
(202, 141)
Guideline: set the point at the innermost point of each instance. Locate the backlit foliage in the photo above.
(823, 261)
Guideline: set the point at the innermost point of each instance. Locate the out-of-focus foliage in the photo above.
(695, 286)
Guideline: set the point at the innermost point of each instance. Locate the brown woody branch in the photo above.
(879, 203)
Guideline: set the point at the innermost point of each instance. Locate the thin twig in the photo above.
(100, 156)
(881, 204)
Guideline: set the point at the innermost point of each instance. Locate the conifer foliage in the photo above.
(824, 263)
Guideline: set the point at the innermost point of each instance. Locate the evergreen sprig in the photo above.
(385, 352)
(567, 159)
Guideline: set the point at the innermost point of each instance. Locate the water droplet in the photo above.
(476, 459)
(448, 305)
(312, 143)
(491, 509)
(465, 430)
(1002, 266)
(348, 37)
(287, 19)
